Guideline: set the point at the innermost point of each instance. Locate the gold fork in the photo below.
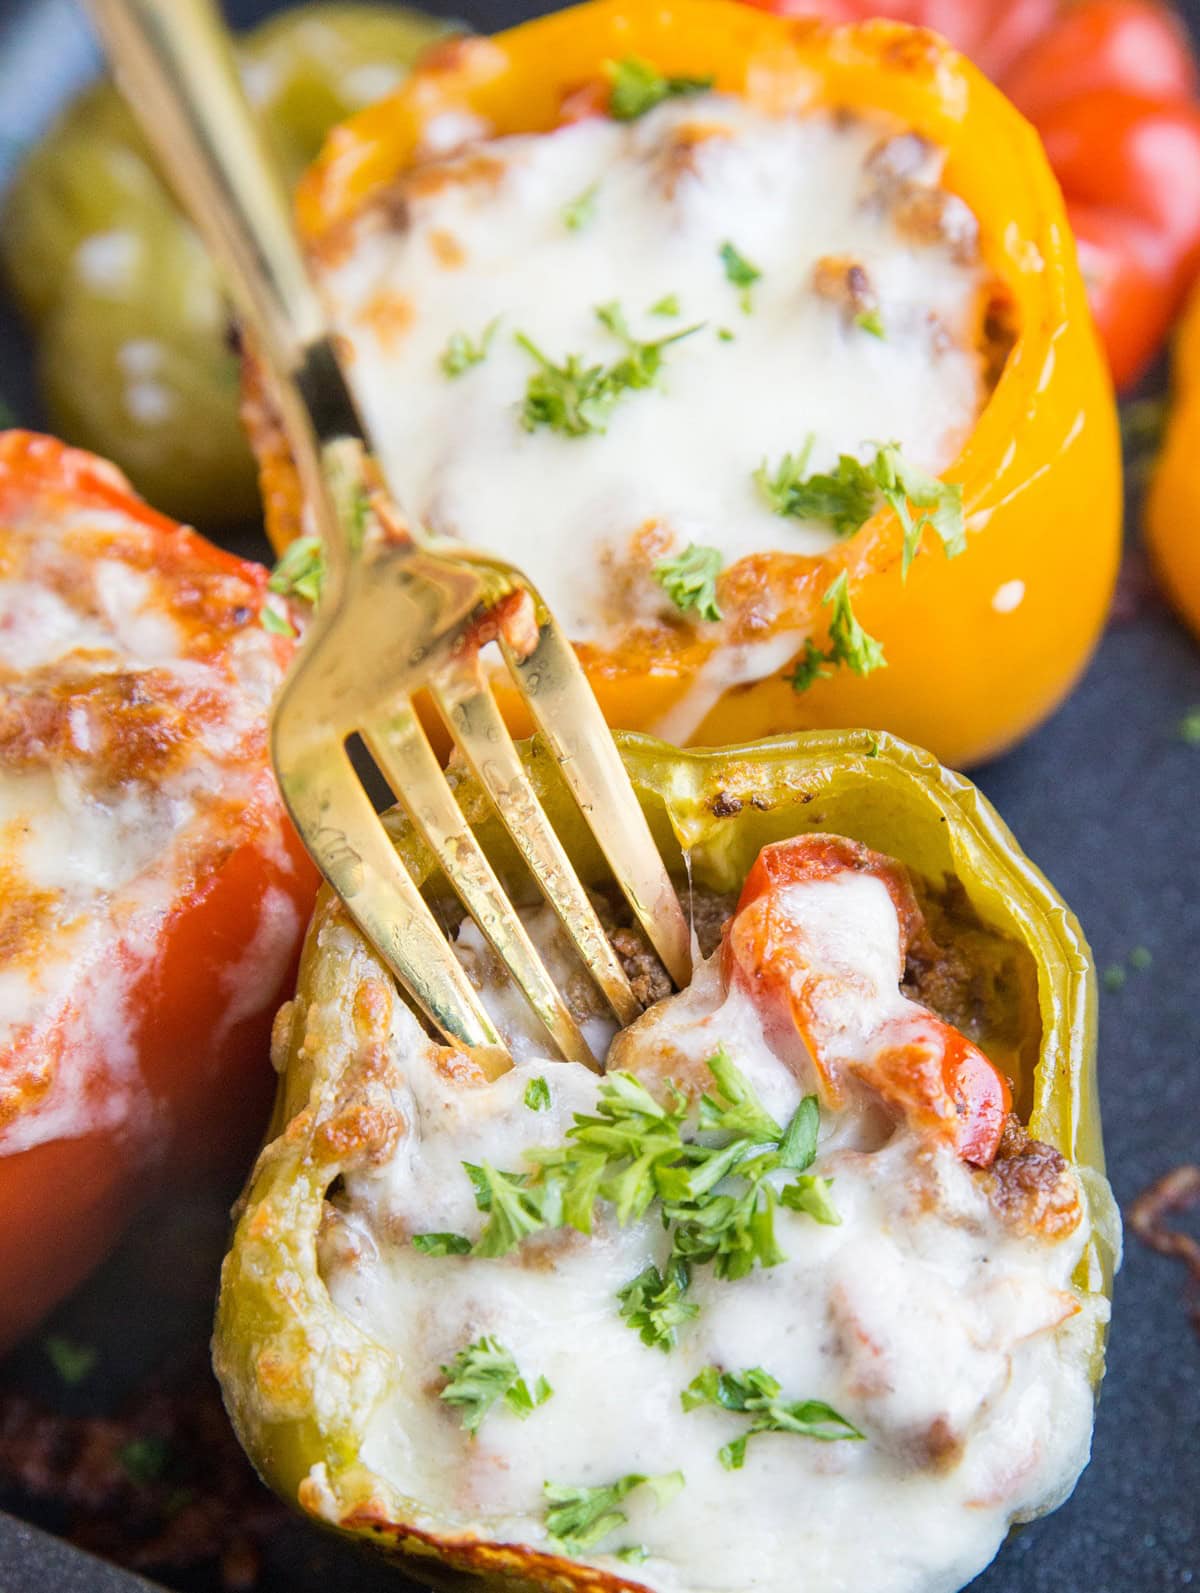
(395, 616)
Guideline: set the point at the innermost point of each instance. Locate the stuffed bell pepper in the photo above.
(759, 345)
(815, 1275)
(153, 893)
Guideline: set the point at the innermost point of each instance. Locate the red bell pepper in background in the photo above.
(137, 1015)
(1111, 85)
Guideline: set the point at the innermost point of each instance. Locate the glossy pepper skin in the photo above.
(979, 648)
(1172, 516)
(300, 1380)
(170, 1072)
(1111, 86)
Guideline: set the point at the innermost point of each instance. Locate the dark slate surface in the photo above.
(1104, 798)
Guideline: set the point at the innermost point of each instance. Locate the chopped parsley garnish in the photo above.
(756, 1393)
(846, 497)
(740, 272)
(461, 351)
(654, 1305)
(634, 1554)
(272, 620)
(810, 1195)
(300, 571)
(1140, 959)
(514, 1211)
(144, 1459)
(718, 1206)
(902, 484)
(668, 305)
(690, 580)
(441, 1244)
(72, 1361)
(1189, 728)
(575, 398)
(849, 643)
(537, 1095)
(484, 1373)
(871, 321)
(724, 335)
(579, 1518)
(637, 87)
(798, 1147)
(581, 210)
(1114, 977)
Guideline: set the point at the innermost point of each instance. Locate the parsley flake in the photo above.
(301, 570)
(514, 1211)
(654, 1305)
(740, 272)
(537, 1095)
(717, 1204)
(1189, 728)
(872, 322)
(577, 399)
(667, 305)
(484, 1373)
(144, 1459)
(849, 643)
(846, 497)
(757, 1394)
(634, 1554)
(72, 1361)
(461, 351)
(810, 1195)
(579, 1518)
(638, 86)
(580, 212)
(690, 580)
(273, 621)
(901, 484)
(441, 1244)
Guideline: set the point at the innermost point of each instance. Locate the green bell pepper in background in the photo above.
(134, 358)
(301, 1380)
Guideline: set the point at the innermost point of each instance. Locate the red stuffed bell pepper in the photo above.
(1111, 86)
(152, 891)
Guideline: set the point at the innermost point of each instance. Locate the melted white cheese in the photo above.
(953, 1344)
(103, 853)
(678, 458)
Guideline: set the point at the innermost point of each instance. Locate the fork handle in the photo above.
(175, 64)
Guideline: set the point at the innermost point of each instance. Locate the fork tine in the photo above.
(478, 728)
(561, 700)
(328, 807)
(399, 746)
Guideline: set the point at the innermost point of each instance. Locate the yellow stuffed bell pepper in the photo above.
(798, 616)
(429, 1341)
(1173, 504)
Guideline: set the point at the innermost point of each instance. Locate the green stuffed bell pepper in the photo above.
(134, 358)
(809, 1288)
